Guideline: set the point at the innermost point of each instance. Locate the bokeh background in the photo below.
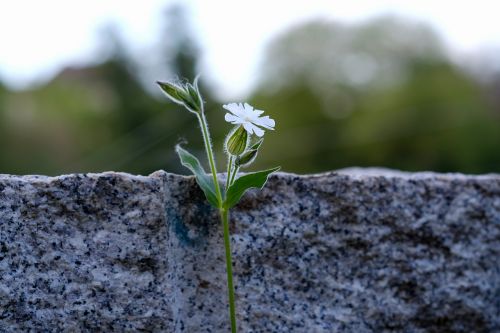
(413, 86)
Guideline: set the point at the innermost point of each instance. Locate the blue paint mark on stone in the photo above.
(194, 236)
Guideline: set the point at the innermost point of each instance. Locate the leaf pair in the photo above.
(234, 192)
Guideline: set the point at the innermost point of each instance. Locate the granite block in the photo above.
(356, 250)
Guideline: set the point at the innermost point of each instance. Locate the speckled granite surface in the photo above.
(354, 251)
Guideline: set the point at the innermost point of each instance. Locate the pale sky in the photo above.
(37, 38)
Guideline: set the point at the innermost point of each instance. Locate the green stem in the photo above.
(235, 172)
(210, 153)
(224, 216)
(229, 169)
(229, 268)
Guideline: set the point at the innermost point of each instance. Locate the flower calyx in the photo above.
(237, 141)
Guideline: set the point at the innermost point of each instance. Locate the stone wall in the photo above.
(351, 251)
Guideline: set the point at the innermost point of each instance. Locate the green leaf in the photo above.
(241, 185)
(204, 180)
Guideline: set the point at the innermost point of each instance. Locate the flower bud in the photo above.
(257, 144)
(188, 101)
(237, 141)
(195, 96)
(171, 90)
(184, 93)
(247, 158)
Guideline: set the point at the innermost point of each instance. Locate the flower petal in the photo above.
(265, 122)
(248, 107)
(250, 112)
(258, 131)
(251, 128)
(233, 119)
(234, 108)
(248, 127)
(245, 114)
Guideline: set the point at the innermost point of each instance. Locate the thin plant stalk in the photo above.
(235, 172)
(224, 212)
(229, 268)
(210, 154)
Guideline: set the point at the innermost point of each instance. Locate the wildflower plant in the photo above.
(241, 146)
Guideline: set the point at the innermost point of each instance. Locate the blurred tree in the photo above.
(179, 49)
(100, 117)
(382, 93)
(370, 55)
(437, 119)
(3, 126)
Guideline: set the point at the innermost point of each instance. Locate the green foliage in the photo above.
(369, 95)
(243, 183)
(98, 117)
(381, 93)
(204, 181)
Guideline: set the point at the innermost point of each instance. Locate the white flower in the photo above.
(244, 114)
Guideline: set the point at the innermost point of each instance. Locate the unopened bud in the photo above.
(195, 97)
(185, 94)
(188, 100)
(257, 144)
(171, 90)
(237, 141)
(194, 91)
(247, 158)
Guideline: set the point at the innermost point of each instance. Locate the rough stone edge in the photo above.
(357, 173)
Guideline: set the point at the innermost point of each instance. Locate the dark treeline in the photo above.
(382, 93)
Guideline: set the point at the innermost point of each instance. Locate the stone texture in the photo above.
(83, 253)
(358, 250)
